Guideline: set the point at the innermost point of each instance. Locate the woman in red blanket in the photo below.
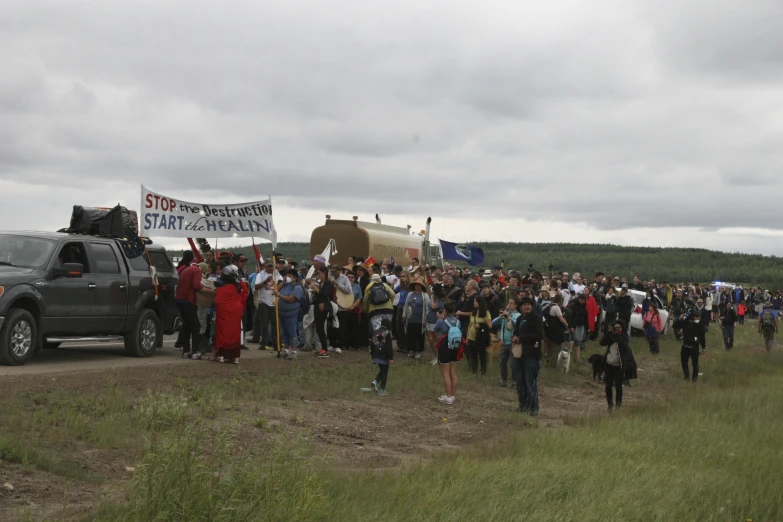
(230, 302)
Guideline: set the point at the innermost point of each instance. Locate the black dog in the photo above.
(598, 366)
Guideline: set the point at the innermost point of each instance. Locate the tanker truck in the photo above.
(362, 239)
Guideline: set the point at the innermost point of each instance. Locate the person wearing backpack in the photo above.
(382, 353)
(448, 345)
(768, 325)
(377, 302)
(505, 323)
(555, 328)
(528, 335)
(479, 328)
(289, 301)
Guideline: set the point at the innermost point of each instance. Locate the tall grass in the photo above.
(713, 454)
(196, 476)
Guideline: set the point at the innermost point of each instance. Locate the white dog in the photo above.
(564, 360)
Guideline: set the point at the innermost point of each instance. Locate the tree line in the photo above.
(670, 264)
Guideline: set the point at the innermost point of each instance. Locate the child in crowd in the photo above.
(382, 354)
(741, 311)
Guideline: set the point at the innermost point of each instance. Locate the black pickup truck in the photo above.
(58, 287)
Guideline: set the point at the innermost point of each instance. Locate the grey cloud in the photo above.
(608, 118)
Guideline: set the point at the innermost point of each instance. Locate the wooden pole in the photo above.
(277, 307)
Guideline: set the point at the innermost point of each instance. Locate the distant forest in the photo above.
(669, 264)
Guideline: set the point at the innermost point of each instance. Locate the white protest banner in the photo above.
(164, 216)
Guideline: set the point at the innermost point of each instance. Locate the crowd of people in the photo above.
(453, 313)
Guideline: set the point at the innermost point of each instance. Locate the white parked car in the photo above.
(636, 318)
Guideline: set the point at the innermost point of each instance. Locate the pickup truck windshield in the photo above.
(25, 252)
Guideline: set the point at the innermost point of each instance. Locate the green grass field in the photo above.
(246, 445)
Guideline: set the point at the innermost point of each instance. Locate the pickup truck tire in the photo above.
(144, 338)
(17, 338)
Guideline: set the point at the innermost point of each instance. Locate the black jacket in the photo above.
(692, 333)
(625, 306)
(579, 312)
(627, 360)
(730, 318)
(530, 330)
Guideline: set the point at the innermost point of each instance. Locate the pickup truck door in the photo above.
(70, 302)
(110, 288)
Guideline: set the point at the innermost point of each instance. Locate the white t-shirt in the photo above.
(576, 289)
(266, 293)
(555, 311)
(392, 281)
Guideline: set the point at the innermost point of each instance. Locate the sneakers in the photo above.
(221, 359)
(337, 350)
(196, 356)
(186, 355)
(374, 385)
(417, 356)
(293, 356)
(323, 354)
(446, 400)
(330, 349)
(382, 392)
(443, 398)
(502, 383)
(236, 361)
(286, 352)
(434, 362)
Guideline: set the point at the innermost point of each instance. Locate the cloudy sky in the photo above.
(631, 122)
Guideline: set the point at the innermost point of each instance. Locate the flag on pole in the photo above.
(472, 255)
(259, 257)
(329, 251)
(391, 262)
(370, 261)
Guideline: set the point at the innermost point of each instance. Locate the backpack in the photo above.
(767, 318)
(304, 305)
(545, 315)
(482, 334)
(454, 335)
(378, 294)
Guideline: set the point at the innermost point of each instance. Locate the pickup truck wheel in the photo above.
(17, 338)
(143, 339)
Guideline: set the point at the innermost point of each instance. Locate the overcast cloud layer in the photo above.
(623, 122)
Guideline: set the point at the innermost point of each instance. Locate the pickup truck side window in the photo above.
(140, 263)
(161, 261)
(74, 253)
(105, 259)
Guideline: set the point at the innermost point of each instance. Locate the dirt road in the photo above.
(75, 357)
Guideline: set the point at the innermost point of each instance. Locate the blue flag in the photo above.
(452, 251)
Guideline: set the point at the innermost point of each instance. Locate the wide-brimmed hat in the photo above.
(361, 266)
(349, 267)
(419, 281)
